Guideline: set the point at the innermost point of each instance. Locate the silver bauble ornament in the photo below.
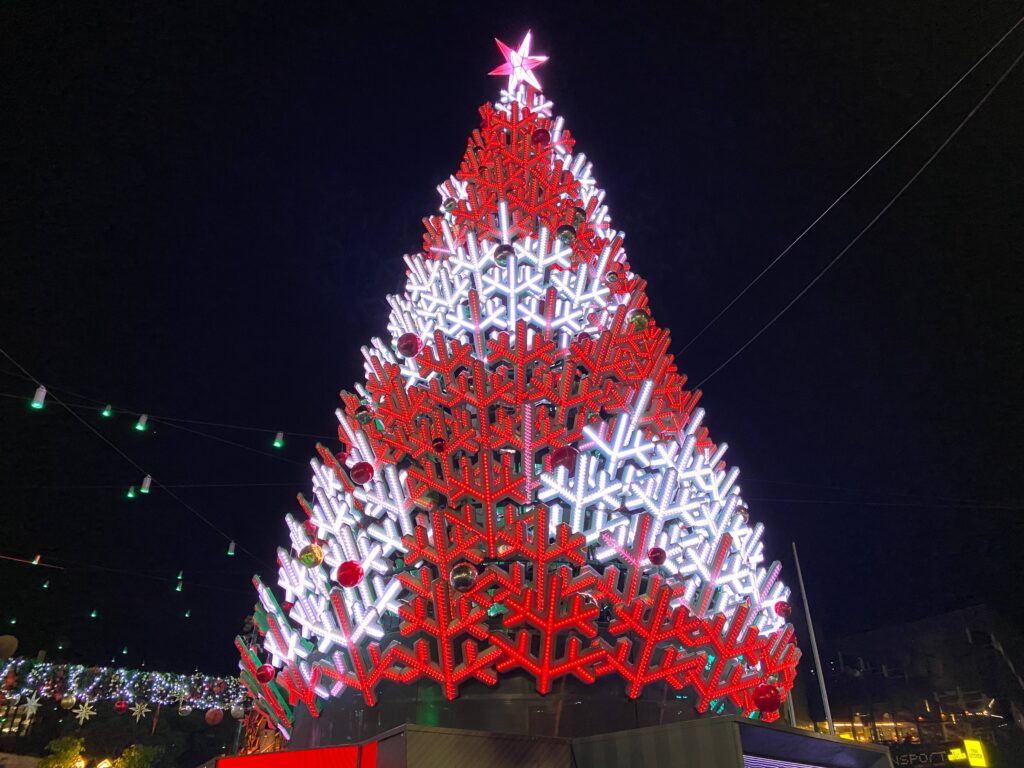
(463, 577)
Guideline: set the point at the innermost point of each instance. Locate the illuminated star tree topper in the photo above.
(519, 63)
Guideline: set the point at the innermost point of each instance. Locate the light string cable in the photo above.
(849, 189)
(179, 425)
(857, 237)
(218, 438)
(100, 404)
(135, 464)
(74, 565)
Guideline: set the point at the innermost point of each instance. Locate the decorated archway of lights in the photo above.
(523, 482)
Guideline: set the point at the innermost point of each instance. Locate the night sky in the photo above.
(201, 212)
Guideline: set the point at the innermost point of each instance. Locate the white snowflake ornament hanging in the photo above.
(32, 704)
(84, 711)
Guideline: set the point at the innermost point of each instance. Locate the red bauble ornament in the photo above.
(341, 457)
(783, 609)
(10, 680)
(121, 706)
(350, 573)
(409, 345)
(656, 555)
(541, 137)
(214, 716)
(361, 473)
(310, 527)
(767, 697)
(438, 444)
(286, 606)
(265, 673)
(564, 456)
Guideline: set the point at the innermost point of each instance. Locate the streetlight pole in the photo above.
(814, 645)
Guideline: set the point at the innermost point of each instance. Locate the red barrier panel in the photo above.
(325, 757)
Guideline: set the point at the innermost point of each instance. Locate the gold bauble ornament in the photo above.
(311, 555)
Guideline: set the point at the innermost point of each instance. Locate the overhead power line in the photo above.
(859, 235)
(849, 189)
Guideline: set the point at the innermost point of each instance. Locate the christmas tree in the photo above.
(523, 481)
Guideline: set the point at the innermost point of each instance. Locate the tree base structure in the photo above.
(572, 709)
(715, 742)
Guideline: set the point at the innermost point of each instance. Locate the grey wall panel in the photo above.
(705, 744)
(453, 749)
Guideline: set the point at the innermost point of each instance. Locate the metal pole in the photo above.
(789, 708)
(814, 645)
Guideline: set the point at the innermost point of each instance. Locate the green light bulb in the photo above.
(131, 492)
(124, 651)
(46, 584)
(93, 613)
(279, 440)
(181, 586)
(107, 412)
(188, 614)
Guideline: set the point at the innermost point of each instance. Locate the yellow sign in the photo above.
(975, 753)
(956, 754)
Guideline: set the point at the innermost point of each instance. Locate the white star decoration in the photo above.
(32, 704)
(518, 64)
(139, 710)
(83, 712)
(181, 699)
